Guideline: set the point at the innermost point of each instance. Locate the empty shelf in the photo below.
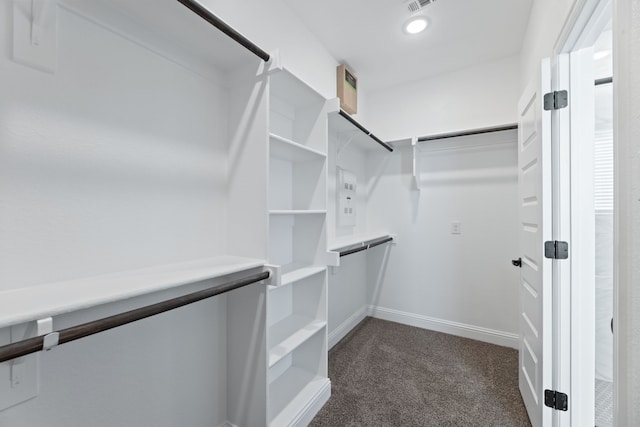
(46, 300)
(285, 149)
(291, 392)
(289, 333)
(344, 125)
(295, 272)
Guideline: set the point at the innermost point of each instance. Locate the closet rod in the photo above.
(33, 345)
(212, 19)
(603, 81)
(467, 133)
(367, 246)
(363, 129)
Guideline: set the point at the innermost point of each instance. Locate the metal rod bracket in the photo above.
(45, 326)
(50, 340)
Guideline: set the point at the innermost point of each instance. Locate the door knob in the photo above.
(517, 262)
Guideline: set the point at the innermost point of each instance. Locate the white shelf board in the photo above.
(346, 131)
(291, 393)
(289, 333)
(51, 299)
(344, 242)
(161, 24)
(285, 149)
(297, 212)
(294, 272)
(293, 90)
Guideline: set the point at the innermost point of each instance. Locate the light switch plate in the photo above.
(347, 183)
(456, 227)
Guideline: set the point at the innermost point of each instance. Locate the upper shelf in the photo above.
(343, 124)
(38, 302)
(285, 149)
(173, 28)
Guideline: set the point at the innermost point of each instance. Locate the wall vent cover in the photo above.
(416, 5)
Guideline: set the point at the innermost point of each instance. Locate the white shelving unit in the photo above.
(298, 385)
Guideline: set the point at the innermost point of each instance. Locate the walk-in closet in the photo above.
(280, 213)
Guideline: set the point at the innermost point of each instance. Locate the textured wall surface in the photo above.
(627, 109)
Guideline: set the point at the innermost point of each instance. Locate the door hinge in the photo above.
(556, 400)
(556, 249)
(556, 100)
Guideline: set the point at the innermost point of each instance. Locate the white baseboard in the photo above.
(307, 413)
(454, 328)
(345, 327)
(310, 410)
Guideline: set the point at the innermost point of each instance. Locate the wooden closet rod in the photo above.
(367, 246)
(198, 9)
(467, 133)
(33, 345)
(363, 129)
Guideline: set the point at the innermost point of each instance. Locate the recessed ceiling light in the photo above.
(416, 25)
(601, 54)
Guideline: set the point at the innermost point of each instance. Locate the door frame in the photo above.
(575, 325)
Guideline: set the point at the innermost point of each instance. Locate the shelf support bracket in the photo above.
(416, 163)
(45, 327)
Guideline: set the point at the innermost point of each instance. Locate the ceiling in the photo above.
(368, 35)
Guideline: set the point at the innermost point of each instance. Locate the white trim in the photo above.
(310, 410)
(626, 101)
(347, 326)
(561, 211)
(574, 297)
(479, 333)
(578, 29)
(582, 222)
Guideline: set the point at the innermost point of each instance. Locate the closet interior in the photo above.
(178, 167)
(157, 163)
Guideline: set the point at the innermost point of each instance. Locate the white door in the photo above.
(534, 181)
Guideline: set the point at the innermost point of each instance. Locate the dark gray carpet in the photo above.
(388, 374)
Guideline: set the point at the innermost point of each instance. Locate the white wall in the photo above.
(98, 148)
(626, 39)
(115, 162)
(347, 296)
(347, 283)
(475, 97)
(461, 284)
(272, 25)
(546, 22)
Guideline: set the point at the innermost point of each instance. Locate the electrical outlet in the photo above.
(456, 227)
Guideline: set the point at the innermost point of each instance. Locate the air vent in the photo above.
(416, 5)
